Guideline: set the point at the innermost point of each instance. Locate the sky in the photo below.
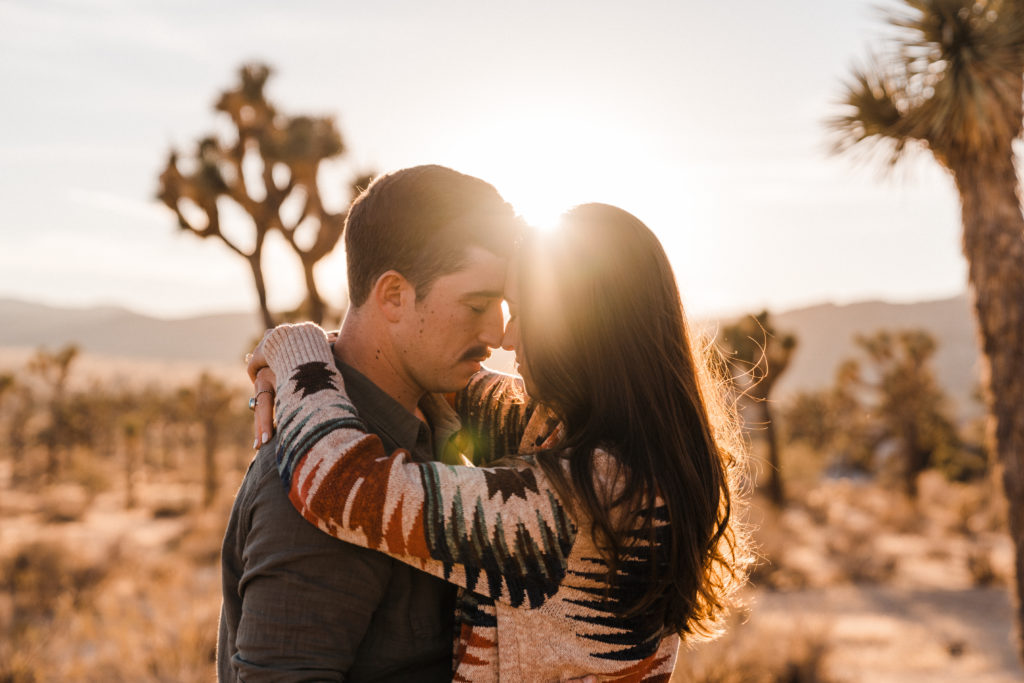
(706, 120)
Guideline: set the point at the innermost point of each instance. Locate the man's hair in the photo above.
(419, 221)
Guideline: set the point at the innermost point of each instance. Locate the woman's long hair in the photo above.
(606, 346)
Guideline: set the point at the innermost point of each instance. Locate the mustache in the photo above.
(477, 353)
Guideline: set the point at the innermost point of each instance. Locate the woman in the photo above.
(614, 538)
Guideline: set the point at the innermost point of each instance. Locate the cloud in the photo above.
(116, 204)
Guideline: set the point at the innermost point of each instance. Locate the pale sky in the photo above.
(704, 119)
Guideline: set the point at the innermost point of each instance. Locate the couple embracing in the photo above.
(419, 517)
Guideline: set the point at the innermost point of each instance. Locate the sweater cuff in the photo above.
(289, 346)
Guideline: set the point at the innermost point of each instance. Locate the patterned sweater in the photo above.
(536, 606)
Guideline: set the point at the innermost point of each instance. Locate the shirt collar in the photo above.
(392, 422)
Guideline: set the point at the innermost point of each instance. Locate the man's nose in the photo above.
(493, 331)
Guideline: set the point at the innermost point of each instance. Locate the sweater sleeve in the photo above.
(494, 411)
(502, 532)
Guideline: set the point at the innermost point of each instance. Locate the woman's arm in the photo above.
(494, 410)
(502, 532)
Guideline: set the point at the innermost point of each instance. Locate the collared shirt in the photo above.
(300, 605)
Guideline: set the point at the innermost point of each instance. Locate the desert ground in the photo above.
(111, 572)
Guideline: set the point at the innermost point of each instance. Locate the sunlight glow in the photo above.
(544, 161)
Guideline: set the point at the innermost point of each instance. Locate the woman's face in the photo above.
(512, 341)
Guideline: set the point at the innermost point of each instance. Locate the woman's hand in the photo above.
(264, 388)
(264, 384)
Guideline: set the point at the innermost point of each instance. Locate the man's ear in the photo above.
(392, 294)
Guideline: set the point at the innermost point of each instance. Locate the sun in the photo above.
(540, 205)
(543, 161)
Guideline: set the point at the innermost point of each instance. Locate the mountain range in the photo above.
(825, 335)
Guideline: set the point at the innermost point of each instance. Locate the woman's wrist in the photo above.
(289, 346)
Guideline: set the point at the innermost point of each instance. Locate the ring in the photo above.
(254, 399)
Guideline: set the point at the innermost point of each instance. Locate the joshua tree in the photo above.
(54, 369)
(212, 409)
(951, 83)
(16, 407)
(131, 434)
(273, 159)
(910, 406)
(762, 356)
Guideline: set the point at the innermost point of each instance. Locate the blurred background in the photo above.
(175, 178)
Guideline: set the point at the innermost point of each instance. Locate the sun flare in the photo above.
(542, 161)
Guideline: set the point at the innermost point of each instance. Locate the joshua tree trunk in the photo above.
(261, 288)
(210, 438)
(131, 458)
(17, 439)
(52, 460)
(994, 246)
(775, 490)
(317, 311)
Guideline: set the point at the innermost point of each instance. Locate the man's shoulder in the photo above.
(271, 517)
(262, 473)
(264, 462)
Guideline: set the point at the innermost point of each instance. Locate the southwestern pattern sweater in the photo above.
(536, 606)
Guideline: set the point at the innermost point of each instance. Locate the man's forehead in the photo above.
(482, 274)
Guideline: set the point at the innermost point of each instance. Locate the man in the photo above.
(427, 249)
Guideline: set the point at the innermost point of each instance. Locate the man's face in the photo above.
(442, 341)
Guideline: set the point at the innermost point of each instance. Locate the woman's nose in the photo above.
(511, 337)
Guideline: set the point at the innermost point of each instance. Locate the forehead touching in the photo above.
(481, 275)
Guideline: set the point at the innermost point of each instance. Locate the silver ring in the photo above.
(254, 399)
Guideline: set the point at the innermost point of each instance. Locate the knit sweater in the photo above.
(536, 605)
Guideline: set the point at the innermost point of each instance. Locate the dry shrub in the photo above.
(772, 538)
(153, 625)
(172, 509)
(857, 557)
(17, 672)
(40, 577)
(90, 472)
(895, 512)
(201, 538)
(64, 503)
(803, 469)
(758, 653)
(135, 616)
(837, 535)
(42, 587)
(979, 566)
(817, 503)
(962, 508)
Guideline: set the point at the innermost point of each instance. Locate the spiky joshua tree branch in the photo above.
(271, 159)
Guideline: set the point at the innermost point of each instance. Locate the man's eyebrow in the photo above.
(484, 294)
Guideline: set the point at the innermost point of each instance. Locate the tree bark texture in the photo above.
(993, 243)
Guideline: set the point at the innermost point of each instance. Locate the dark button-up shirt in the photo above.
(302, 606)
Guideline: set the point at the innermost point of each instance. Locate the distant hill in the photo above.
(825, 335)
(119, 332)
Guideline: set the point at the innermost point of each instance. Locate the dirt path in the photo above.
(884, 634)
